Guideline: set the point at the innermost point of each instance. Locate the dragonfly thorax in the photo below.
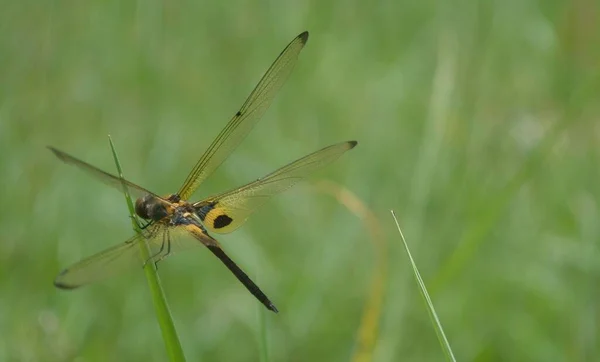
(150, 208)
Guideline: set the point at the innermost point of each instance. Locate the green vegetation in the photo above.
(477, 122)
(163, 314)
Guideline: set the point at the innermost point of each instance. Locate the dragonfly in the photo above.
(171, 223)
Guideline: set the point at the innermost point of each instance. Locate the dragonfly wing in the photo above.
(163, 242)
(226, 212)
(109, 262)
(242, 122)
(105, 177)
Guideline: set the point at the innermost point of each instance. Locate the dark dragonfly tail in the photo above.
(242, 277)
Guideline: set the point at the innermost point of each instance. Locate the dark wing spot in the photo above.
(221, 221)
(238, 114)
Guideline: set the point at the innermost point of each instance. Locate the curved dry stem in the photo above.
(369, 326)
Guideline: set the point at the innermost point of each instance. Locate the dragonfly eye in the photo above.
(158, 211)
(140, 207)
(150, 208)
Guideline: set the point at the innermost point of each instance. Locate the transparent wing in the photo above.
(163, 242)
(112, 261)
(107, 178)
(242, 122)
(228, 211)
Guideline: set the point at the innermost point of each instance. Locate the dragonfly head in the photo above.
(150, 208)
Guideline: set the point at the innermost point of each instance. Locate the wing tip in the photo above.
(303, 37)
(61, 284)
(57, 152)
(352, 144)
(54, 150)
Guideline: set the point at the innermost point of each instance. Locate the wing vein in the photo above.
(244, 120)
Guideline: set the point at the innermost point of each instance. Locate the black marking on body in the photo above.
(221, 221)
(179, 219)
(238, 114)
(174, 198)
(203, 210)
(242, 277)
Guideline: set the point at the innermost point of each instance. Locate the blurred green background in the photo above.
(477, 121)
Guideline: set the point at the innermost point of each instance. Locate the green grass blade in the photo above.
(163, 314)
(437, 325)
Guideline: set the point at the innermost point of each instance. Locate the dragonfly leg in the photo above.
(168, 241)
(162, 247)
(139, 225)
(136, 221)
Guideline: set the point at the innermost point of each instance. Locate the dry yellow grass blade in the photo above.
(369, 325)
